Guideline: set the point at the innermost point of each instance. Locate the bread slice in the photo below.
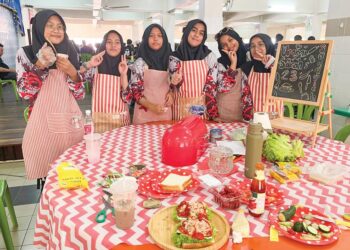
(175, 182)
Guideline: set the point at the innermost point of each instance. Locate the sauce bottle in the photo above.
(256, 204)
(254, 146)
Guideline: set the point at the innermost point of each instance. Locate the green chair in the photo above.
(87, 87)
(85, 57)
(14, 86)
(26, 113)
(5, 198)
(299, 111)
(343, 134)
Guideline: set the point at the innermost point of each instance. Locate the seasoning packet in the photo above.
(285, 172)
(137, 170)
(111, 177)
(70, 177)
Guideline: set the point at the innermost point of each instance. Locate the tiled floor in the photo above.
(23, 192)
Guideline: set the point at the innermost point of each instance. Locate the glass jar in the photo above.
(220, 160)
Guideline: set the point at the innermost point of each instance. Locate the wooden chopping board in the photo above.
(161, 227)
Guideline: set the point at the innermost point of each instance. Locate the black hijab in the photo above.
(185, 52)
(155, 59)
(38, 28)
(241, 51)
(110, 64)
(258, 65)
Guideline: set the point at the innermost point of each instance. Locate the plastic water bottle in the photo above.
(88, 123)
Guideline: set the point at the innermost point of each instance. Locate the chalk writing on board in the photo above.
(299, 71)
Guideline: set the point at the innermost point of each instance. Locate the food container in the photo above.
(220, 160)
(215, 135)
(227, 196)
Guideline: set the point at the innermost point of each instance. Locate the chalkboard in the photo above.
(300, 70)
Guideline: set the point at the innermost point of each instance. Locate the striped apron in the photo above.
(259, 83)
(156, 86)
(108, 109)
(55, 124)
(194, 75)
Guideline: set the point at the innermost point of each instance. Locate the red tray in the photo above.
(149, 183)
(273, 218)
(274, 196)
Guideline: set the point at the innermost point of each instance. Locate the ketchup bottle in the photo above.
(256, 205)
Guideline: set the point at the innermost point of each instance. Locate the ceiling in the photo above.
(236, 12)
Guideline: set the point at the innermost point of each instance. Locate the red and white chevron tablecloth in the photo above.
(66, 218)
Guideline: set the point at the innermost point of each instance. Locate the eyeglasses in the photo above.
(223, 32)
(52, 27)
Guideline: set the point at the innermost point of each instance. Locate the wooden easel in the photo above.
(309, 128)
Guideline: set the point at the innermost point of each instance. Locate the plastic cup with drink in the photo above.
(93, 147)
(124, 194)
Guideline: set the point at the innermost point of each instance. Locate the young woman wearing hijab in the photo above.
(51, 83)
(149, 77)
(110, 95)
(258, 70)
(234, 99)
(193, 72)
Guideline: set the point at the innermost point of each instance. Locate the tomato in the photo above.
(198, 236)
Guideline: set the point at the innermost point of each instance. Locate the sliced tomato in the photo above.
(183, 210)
(182, 230)
(198, 236)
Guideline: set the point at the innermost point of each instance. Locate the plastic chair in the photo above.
(14, 86)
(85, 57)
(299, 111)
(26, 113)
(5, 198)
(343, 134)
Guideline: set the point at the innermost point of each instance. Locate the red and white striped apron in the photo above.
(194, 74)
(108, 109)
(259, 83)
(51, 128)
(156, 86)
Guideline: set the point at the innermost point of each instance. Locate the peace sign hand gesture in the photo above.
(123, 66)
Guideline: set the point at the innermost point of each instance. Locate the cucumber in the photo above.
(327, 235)
(315, 225)
(305, 225)
(312, 230)
(298, 227)
(287, 224)
(324, 228)
(288, 214)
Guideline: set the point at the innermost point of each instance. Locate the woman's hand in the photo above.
(46, 56)
(65, 66)
(123, 66)
(158, 109)
(96, 60)
(258, 56)
(232, 55)
(176, 78)
(169, 99)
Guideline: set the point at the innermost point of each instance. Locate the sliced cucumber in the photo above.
(288, 224)
(298, 227)
(312, 230)
(305, 225)
(314, 225)
(327, 235)
(307, 222)
(324, 228)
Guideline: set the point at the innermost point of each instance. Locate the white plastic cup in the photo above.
(62, 55)
(124, 195)
(93, 147)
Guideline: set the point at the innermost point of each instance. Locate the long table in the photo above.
(66, 218)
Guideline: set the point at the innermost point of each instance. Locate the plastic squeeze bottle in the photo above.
(254, 146)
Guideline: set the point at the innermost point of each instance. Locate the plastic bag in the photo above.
(70, 177)
(326, 172)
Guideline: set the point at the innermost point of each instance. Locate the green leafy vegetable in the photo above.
(279, 147)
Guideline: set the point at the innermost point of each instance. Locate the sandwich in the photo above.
(195, 209)
(194, 233)
(175, 182)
